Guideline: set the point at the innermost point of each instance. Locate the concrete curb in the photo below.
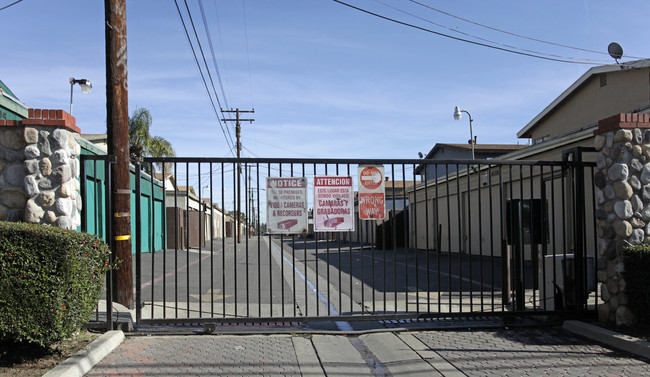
(619, 341)
(83, 361)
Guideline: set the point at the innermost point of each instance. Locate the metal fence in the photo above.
(460, 238)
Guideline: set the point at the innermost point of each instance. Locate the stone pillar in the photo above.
(39, 169)
(622, 205)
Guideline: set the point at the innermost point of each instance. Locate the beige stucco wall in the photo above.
(474, 221)
(626, 91)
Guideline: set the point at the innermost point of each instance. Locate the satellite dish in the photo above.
(615, 51)
(420, 154)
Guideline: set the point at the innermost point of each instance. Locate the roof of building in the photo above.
(491, 149)
(637, 64)
(184, 189)
(480, 147)
(5, 89)
(9, 101)
(159, 176)
(95, 137)
(389, 184)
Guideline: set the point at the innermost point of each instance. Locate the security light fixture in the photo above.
(457, 115)
(85, 85)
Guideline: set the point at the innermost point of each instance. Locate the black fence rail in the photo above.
(459, 238)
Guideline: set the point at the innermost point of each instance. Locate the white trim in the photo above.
(14, 99)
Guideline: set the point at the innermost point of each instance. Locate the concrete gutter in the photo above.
(619, 341)
(83, 361)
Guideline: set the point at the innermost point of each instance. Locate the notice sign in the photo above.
(372, 195)
(333, 204)
(286, 205)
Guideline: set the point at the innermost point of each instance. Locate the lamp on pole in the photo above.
(85, 85)
(457, 114)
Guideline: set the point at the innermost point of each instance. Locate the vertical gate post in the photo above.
(625, 174)
(82, 189)
(138, 241)
(579, 226)
(110, 288)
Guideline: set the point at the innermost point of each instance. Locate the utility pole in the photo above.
(238, 121)
(117, 116)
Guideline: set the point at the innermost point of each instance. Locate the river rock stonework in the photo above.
(39, 170)
(622, 183)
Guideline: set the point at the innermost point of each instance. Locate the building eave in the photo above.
(16, 105)
(638, 64)
(548, 145)
(554, 144)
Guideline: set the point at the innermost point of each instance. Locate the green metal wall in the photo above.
(10, 107)
(152, 212)
(152, 201)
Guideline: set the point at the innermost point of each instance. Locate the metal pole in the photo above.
(471, 134)
(238, 135)
(238, 220)
(118, 144)
(71, 86)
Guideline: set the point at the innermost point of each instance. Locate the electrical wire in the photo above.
(214, 59)
(461, 39)
(205, 84)
(485, 39)
(198, 42)
(7, 6)
(285, 149)
(515, 34)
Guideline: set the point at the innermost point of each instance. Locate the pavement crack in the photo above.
(377, 368)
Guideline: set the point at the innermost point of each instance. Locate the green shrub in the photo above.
(50, 281)
(637, 280)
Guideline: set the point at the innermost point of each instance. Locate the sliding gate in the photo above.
(460, 238)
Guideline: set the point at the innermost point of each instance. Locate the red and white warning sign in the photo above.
(372, 195)
(333, 204)
(286, 205)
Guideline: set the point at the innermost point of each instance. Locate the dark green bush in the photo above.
(50, 281)
(637, 279)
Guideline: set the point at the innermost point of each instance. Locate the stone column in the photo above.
(39, 169)
(622, 205)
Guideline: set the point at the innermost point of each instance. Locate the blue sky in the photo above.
(325, 80)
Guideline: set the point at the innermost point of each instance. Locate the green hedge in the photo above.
(637, 279)
(50, 281)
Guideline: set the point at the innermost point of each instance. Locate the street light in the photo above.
(457, 114)
(85, 85)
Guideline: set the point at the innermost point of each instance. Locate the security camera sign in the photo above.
(333, 204)
(372, 196)
(286, 205)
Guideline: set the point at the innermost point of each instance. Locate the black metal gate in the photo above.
(460, 238)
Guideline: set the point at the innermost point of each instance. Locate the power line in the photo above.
(461, 39)
(283, 148)
(7, 6)
(514, 34)
(485, 39)
(214, 59)
(198, 42)
(205, 84)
